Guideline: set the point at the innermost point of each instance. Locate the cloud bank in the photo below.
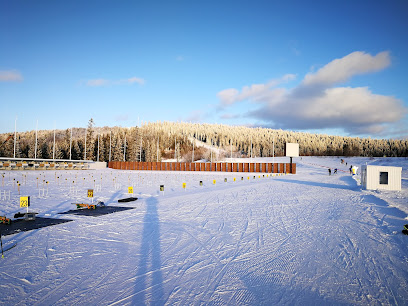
(10, 76)
(105, 82)
(317, 104)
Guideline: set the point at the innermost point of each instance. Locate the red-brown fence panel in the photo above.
(257, 167)
(275, 168)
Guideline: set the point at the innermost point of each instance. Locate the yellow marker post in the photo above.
(24, 201)
(90, 194)
(214, 182)
(235, 179)
(184, 186)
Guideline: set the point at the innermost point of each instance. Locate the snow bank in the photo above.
(308, 238)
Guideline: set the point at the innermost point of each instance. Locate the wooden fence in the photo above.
(221, 167)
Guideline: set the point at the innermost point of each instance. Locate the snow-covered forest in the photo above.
(154, 141)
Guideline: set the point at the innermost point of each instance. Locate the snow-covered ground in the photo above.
(308, 238)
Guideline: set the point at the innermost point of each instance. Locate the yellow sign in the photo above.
(90, 193)
(24, 201)
(184, 185)
(234, 179)
(130, 189)
(213, 182)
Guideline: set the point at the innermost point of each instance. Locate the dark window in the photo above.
(384, 178)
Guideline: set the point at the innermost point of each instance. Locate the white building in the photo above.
(381, 177)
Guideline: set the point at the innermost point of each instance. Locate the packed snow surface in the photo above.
(308, 238)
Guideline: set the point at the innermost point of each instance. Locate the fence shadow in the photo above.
(351, 184)
(149, 281)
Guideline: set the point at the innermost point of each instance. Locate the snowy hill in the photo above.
(301, 239)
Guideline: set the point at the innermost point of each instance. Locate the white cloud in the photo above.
(342, 69)
(228, 96)
(316, 104)
(10, 76)
(105, 82)
(353, 109)
(130, 81)
(97, 82)
(255, 91)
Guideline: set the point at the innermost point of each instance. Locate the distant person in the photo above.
(351, 168)
(335, 171)
(329, 171)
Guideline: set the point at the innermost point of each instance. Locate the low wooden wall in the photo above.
(224, 167)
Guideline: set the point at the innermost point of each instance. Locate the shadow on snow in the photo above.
(149, 284)
(351, 184)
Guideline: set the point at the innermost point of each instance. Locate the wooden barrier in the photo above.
(224, 167)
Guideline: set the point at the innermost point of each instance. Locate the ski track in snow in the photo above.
(298, 239)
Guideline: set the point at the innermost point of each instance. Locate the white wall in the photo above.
(97, 165)
(370, 177)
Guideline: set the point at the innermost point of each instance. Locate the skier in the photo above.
(351, 167)
(335, 171)
(329, 171)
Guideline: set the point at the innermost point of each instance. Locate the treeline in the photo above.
(186, 141)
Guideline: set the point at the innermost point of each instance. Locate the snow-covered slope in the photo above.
(308, 238)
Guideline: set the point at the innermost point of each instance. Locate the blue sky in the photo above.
(334, 67)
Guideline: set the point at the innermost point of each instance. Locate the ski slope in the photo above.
(308, 238)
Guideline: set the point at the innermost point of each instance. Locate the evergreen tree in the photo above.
(90, 141)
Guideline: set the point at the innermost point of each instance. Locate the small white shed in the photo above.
(381, 177)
